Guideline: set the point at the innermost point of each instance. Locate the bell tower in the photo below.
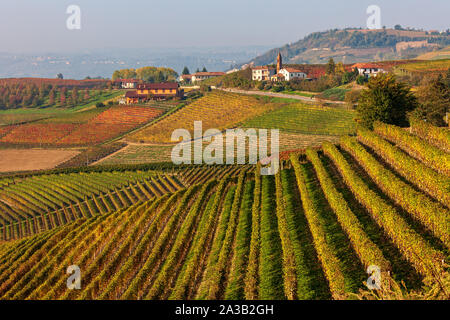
(279, 63)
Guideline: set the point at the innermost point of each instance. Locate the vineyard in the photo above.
(218, 110)
(226, 232)
(305, 119)
(85, 128)
(434, 66)
(135, 153)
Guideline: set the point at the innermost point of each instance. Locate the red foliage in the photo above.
(38, 133)
(69, 83)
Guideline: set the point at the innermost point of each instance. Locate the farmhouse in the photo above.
(126, 83)
(200, 76)
(262, 73)
(185, 78)
(368, 69)
(291, 73)
(147, 91)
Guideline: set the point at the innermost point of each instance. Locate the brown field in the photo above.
(33, 159)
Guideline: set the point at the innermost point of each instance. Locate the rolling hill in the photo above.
(357, 45)
(227, 232)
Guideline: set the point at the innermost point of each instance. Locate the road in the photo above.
(279, 95)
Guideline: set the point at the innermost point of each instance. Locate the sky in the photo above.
(32, 26)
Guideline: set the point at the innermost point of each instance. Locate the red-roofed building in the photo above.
(126, 83)
(291, 73)
(186, 78)
(368, 69)
(147, 91)
(263, 73)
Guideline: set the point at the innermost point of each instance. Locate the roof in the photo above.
(162, 85)
(366, 66)
(208, 74)
(292, 70)
(186, 76)
(262, 68)
(278, 75)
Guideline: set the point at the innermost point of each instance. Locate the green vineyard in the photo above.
(226, 232)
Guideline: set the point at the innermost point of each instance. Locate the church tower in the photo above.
(279, 63)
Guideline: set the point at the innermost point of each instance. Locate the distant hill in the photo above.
(357, 45)
(437, 54)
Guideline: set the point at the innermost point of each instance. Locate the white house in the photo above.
(262, 73)
(368, 69)
(127, 83)
(291, 73)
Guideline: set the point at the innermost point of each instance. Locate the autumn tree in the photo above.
(331, 67)
(434, 100)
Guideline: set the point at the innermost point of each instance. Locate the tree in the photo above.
(385, 100)
(361, 80)
(204, 70)
(198, 70)
(59, 76)
(74, 96)
(398, 27)
(331, 67)
(339, 69)
(51, 97)
(434, 100)
(185, 71)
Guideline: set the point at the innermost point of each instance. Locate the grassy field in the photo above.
(301, 118)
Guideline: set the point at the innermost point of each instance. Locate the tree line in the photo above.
(13, 96)
(147, 74)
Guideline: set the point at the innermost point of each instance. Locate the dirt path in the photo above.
(280, 95)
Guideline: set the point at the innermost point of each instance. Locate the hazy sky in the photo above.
(40, 25)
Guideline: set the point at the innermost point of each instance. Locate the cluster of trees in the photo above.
(390, 101)
(15, 96)
(147, 74)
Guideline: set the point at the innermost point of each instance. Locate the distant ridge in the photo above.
(357, 45)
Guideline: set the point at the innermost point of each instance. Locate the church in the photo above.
(280, 73)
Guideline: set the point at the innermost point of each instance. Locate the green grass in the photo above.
(300, 93)
(301, 118)
(337, 94)
(55, 110)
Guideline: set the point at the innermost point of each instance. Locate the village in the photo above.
(140, 92)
